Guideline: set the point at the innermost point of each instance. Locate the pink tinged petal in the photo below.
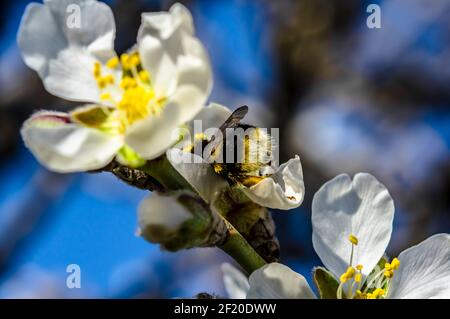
(63, 56)
(285, 189)
(277, 281)
(424, 270)
(235, 282)
(342, 207)
(66, 147)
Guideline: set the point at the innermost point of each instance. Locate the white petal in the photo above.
(68, 147)
(189, 100)
(70, 76)
(277, 281)
(177, 61)
(342, 207)
(424, 270)
(62, 53)
(157, 60)
(283, 190)
(212, 116)
(235, 282)
(197, 173)
(152, 136)
(165, 24)
(160, 210)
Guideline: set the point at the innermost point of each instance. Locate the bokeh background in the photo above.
(345, 97)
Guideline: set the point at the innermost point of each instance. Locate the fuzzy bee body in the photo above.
(240, 158)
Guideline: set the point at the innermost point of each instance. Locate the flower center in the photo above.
(133, 97)
(375, 286)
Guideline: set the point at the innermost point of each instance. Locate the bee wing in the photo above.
(234, 119)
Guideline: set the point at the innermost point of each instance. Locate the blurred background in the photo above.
(345, 97)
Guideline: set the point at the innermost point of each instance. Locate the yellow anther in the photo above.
(188, 148)
(113, 62)
(388, 273)
(360, 295)
(378, 292)
(359, 267)
(128, 82)
(105, 96)
(387, 266)
(101, 82)
(353, 239)
(395, 263)
(350, 272)
(343, 278)
(200, 136)
(144, 76)
(109, 79)
(97, 69)
(125, 60)
(358, 277)
(134, 60)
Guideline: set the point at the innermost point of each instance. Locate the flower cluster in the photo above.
(352, 225)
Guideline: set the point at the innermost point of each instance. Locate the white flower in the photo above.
(352, 225)
(136, 100)
(284, 189)
(272, 281)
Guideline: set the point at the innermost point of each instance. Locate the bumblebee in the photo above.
(242, 153)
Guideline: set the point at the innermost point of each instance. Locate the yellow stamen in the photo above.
(134, 60)
(105, 96)
(358, 277)
(144, 76)
(395, 263)
(113, 62)
(359, 267)
(200, 136)
(125, 61)
(353, 239)
(97, 69)
(127, 83)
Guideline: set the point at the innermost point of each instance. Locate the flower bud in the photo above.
(179, 220)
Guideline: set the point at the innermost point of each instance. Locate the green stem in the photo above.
(237, 247)
(165, 174)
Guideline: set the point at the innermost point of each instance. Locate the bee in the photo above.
(242, 153)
